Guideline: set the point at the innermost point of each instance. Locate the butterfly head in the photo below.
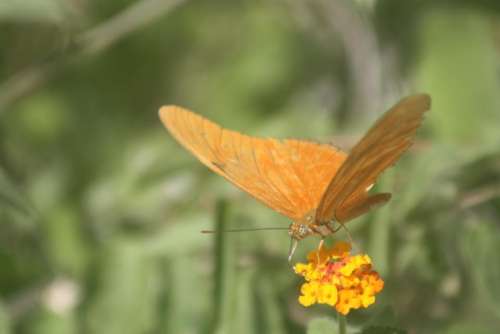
(299, 231)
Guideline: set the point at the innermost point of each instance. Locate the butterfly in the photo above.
(315, 185)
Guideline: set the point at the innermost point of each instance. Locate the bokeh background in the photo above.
(100, 210)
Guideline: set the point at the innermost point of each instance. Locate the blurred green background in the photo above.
(100, 210)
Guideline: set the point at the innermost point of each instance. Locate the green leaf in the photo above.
(32, 10)
(181, 236)
(322, 326)
(4, 321)
(13, 202)
(272, 321)
(185, 311)
(382, 330)
(65, 243)
(461, 80)
(467, 328)
(44, 321)
(243, 308)
(380, 229)
(481, 245)
(126, 292)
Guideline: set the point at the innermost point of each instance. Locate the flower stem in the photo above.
(342, 323)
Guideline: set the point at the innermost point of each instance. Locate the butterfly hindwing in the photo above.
(347, 194)
(361, 206)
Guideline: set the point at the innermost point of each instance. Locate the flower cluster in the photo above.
(336, 278)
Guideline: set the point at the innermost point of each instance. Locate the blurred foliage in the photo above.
(100, 210)
(321, 325)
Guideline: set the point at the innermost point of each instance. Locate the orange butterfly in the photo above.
(313, 184)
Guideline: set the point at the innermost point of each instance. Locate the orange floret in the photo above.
(334, 277)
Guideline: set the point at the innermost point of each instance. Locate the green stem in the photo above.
(222, 258)
(342, 323)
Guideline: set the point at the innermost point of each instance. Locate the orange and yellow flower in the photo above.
(334, 277)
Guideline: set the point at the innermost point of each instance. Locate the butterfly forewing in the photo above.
(289, 176)
(347, 194)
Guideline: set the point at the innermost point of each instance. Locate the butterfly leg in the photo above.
(334, 230)
(351, 241)
(330, 227)
(320, 246)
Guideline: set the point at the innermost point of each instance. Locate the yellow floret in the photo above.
(336, 278)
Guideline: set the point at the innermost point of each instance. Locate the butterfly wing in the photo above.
(361, 206)
(289, 176)
(346, 196)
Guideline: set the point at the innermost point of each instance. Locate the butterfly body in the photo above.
(315, 185)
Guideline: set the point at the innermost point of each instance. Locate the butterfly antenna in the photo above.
(246, 230)
(349, 235)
